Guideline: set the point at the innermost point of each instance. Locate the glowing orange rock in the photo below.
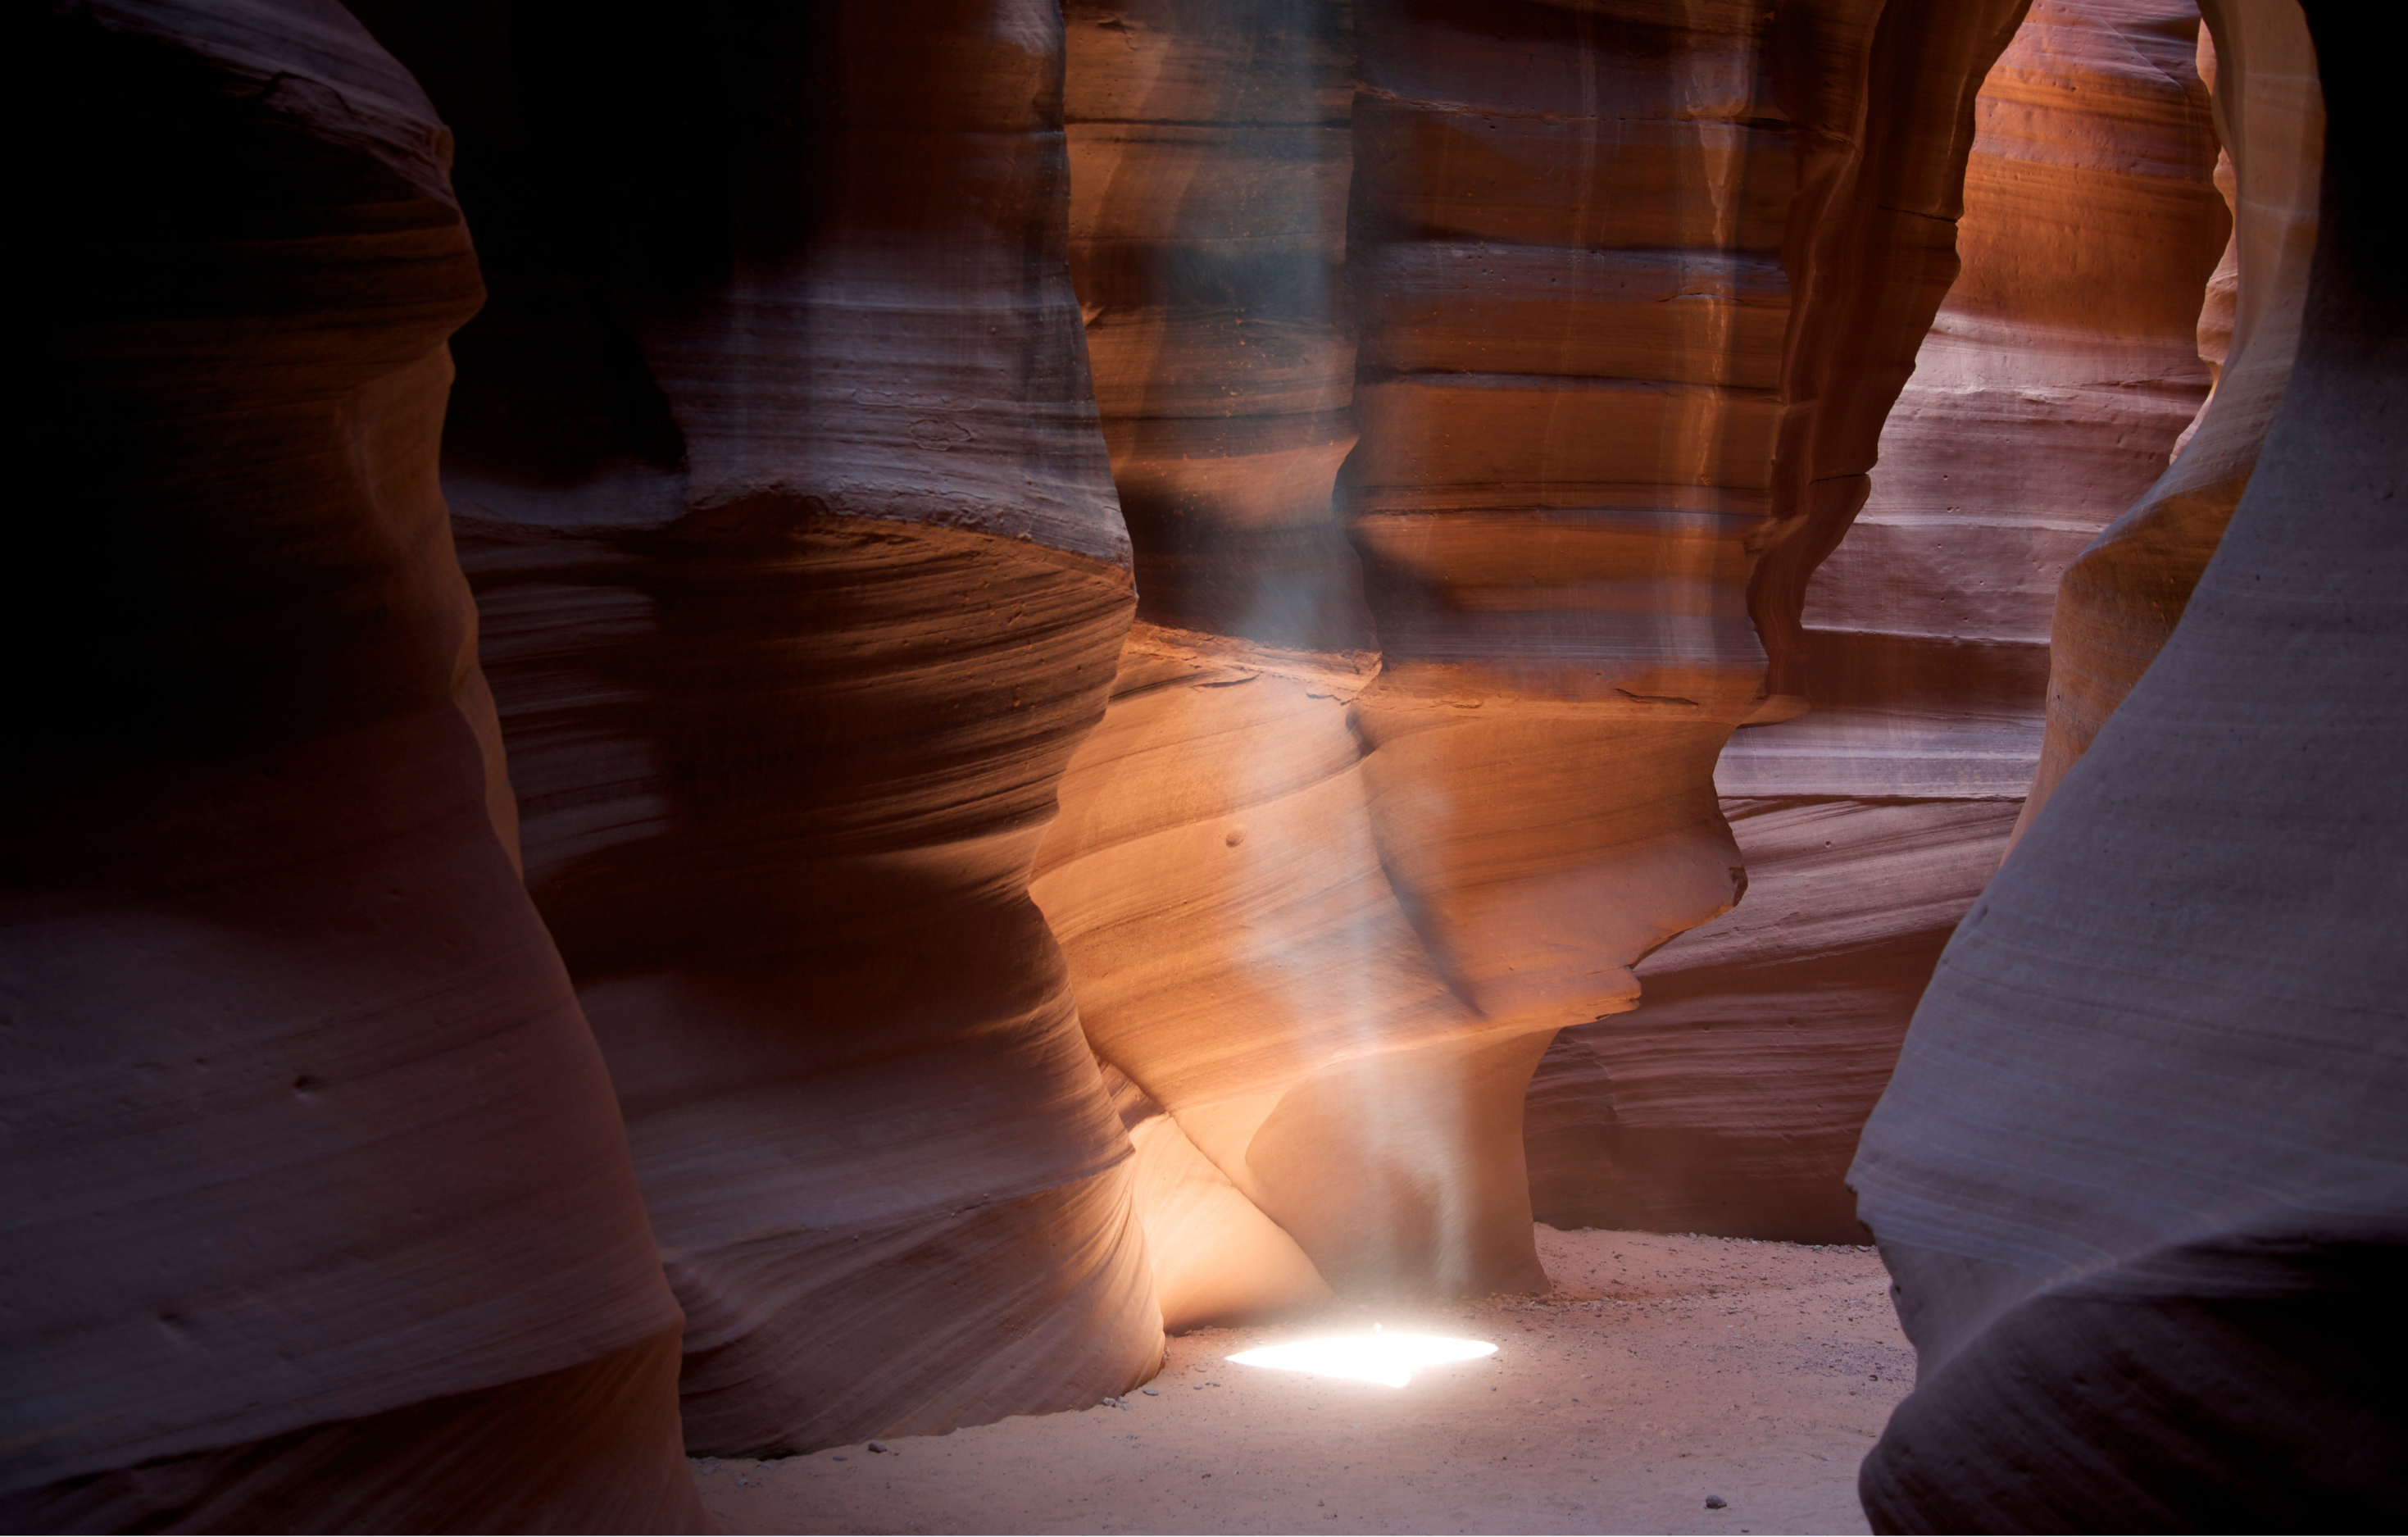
(2053, 384)
(2124, 595)
(1631, 292)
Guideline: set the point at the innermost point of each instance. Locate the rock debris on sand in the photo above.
(1661, 1367)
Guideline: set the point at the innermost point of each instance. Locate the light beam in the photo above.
(1388, 1359)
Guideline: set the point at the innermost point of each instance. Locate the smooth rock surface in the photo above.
(1209, 158)
(1730, 1100)
(319, 1205)
(1614, 409)
(1210, 151)
(2053, 384)
(794, 611)
(1484, 384)
(2118, 602)
(1323, 905)
(2139, 1175)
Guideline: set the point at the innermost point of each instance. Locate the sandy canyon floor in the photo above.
(1660, 1370)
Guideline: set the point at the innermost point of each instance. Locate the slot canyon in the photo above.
(796, 765)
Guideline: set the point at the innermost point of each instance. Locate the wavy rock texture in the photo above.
(1730, 1100)
(1209, 158)
(796, 601)
(1722, 238)
(1241, 956)
(1325, 908)
(2140, 1173)
(2124, 595)
(2053, 382)
(320, 1210)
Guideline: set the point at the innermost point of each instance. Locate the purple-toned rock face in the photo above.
(319, 1205)
(799, 586)
(844, 977)
(2140, 1173)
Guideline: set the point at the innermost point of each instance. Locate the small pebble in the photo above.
(1150, 1392)
(878, 1445)
(1715, 1502)
(839, 1456)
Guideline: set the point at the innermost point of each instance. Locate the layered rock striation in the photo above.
(796, 601)
(1474, 391)
(1700, 278)
(1210, 153)
(1730, 1102)
(1631, 290)
(1209, 161)
(320, 1208)
(2055, 380)
(2139, 1175)
(2123, 596)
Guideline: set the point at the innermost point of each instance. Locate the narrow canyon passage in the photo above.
(779, 765)
(1658, 1370)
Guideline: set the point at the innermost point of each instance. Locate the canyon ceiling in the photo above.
(749, 726)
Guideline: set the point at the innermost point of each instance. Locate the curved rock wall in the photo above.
(1325, 905)
(2053, 384)
(2139, 1175)
(320, 1210)
(1483, 383)
(1209, 158)
(2124, 595)
(798, 595)
(1730, 1100)
(1723, 243)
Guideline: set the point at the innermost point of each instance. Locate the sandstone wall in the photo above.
(2139, 1173)
(1481, 384)
(1209, 158)
(1631, 288)
(320, 1210)
(2125, 594)
(1210, 153)
(2046, 397)
(780, 481)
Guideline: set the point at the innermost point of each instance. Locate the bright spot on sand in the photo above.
(1381, 1357)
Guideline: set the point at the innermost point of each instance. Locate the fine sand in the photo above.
(1660, 1370)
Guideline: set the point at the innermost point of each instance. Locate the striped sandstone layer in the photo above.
(1632, 287)
(2139, 1175)
(799, 588)
(320, 1209)
(2126, 592)
(2045, 398)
